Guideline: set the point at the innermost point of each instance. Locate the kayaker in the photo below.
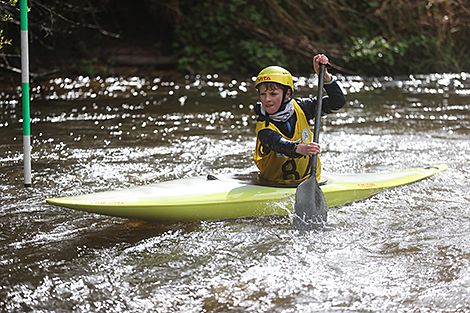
(284, 146)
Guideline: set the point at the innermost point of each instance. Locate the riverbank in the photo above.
(119, 38)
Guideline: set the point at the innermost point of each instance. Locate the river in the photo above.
(403, 250)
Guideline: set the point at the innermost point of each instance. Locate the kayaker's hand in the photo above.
(308, 149)
(321, 58)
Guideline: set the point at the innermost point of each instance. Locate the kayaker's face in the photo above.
(271, 97)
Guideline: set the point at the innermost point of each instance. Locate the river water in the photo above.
(403, 250)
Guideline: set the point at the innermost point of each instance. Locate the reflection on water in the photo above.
(405, 249)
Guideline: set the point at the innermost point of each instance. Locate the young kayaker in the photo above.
(284, 146)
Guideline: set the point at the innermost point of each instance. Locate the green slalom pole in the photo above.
(25, 93)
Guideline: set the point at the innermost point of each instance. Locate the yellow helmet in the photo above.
(275, 74)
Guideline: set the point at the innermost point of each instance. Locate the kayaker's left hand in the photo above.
(308, 149)
(323, 59)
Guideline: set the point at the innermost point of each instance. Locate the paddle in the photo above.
(310, 202)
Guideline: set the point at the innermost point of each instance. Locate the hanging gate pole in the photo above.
(25, 92)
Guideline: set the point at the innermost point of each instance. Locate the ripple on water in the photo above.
(404, 249)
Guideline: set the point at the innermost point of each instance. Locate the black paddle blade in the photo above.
(310, 209)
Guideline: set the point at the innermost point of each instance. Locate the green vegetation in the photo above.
(240, 36)
(375, 54)
(3, 40)
(5, 17)
(212, 36)
(365, 37)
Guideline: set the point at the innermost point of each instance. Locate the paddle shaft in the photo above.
(316, 129)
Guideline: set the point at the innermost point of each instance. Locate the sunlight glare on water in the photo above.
(402, 250)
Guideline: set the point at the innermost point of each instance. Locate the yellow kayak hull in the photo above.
(227, 197)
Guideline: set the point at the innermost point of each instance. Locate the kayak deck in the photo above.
(225, 197)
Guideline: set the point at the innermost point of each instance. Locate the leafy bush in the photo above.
(373, 56)
(213, 39)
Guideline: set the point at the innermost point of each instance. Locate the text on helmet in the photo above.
(264, 78)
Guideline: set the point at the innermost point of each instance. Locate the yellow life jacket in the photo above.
(276, 168)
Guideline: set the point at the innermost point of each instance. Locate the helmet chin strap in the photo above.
(284, 101)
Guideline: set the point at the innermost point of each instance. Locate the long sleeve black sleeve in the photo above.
(274, 141)
(331, 103)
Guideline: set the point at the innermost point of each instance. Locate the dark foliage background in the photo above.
(238, 36)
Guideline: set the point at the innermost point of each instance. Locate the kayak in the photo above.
(230, 196)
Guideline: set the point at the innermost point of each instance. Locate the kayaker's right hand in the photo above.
(308, 149)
